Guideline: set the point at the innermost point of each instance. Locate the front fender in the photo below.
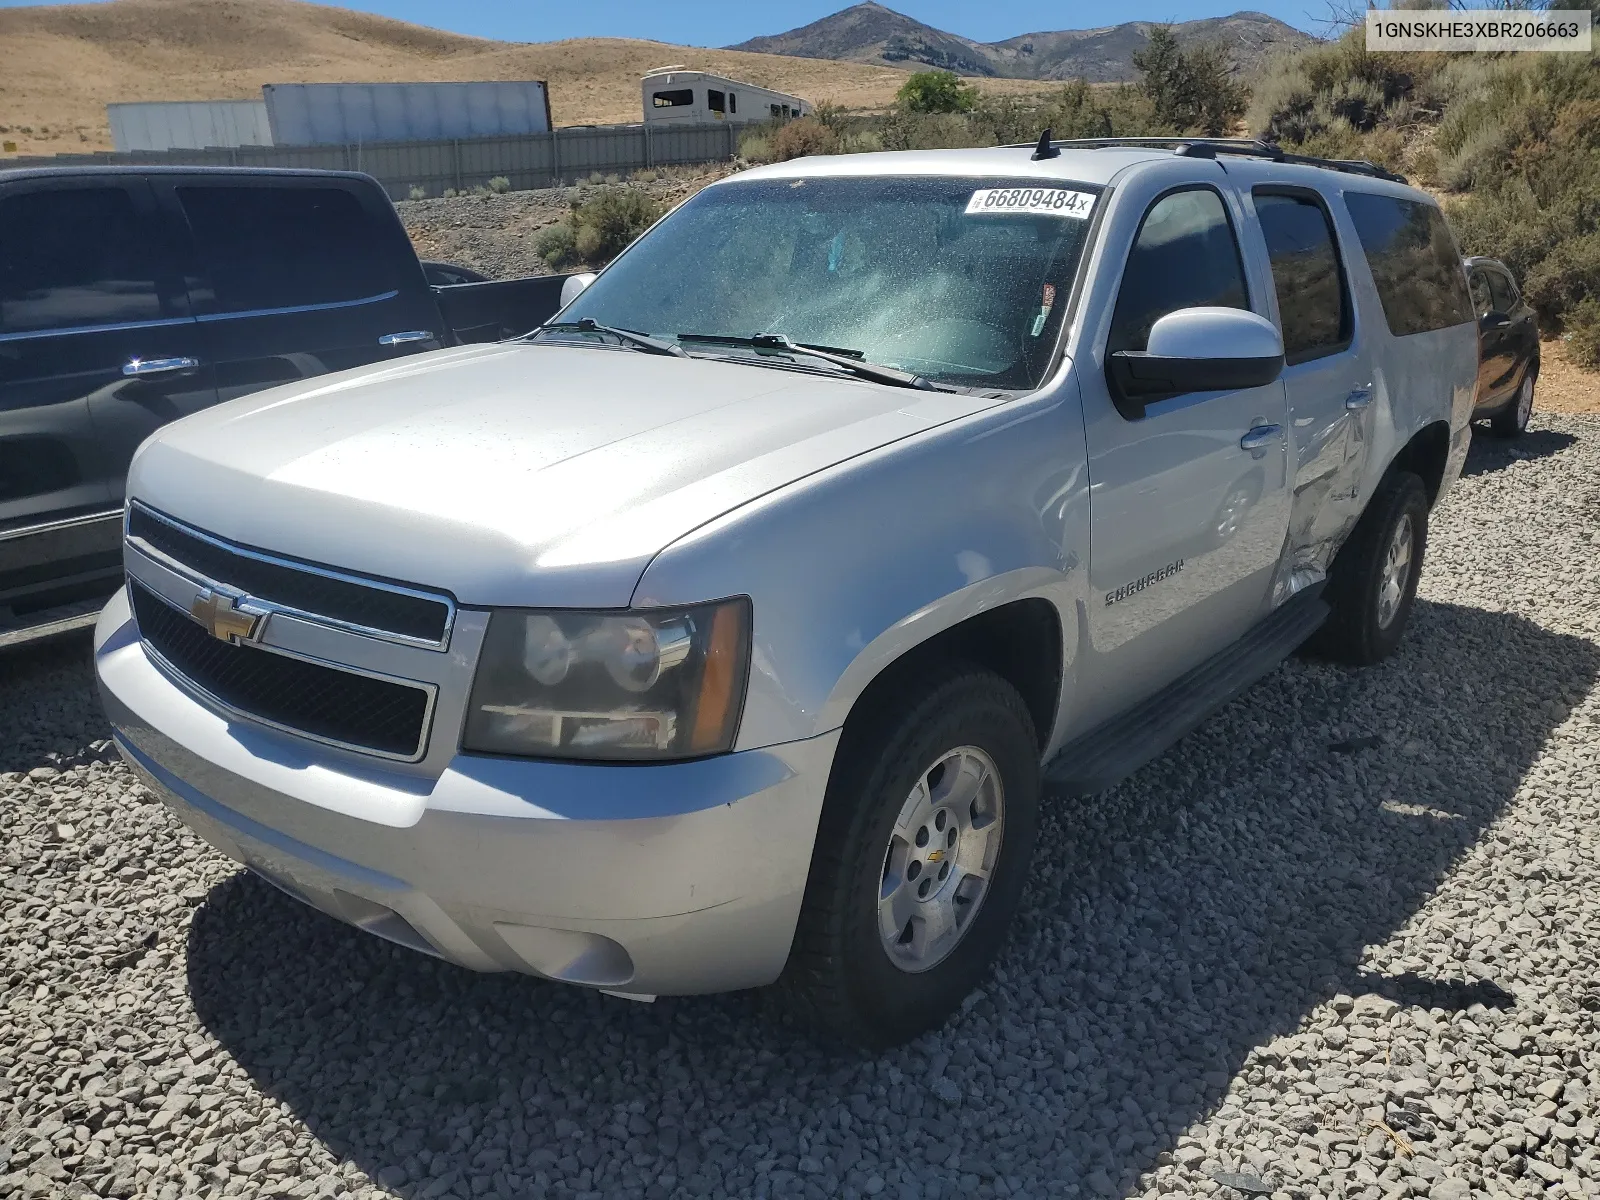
(850, 568)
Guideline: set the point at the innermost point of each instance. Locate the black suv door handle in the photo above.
(138, 368)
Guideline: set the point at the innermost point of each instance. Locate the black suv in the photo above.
(131, 296)
(1508, 347)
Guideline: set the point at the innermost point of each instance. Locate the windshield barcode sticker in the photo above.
(1048, 202)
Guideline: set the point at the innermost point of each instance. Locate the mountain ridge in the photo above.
(871, 33)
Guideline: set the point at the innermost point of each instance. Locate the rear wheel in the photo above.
(1512, 420)
(1373, 582)
(920, 860)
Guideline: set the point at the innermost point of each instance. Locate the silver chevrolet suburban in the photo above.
(971, 472)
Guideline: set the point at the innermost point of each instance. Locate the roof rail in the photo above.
(1208, 147)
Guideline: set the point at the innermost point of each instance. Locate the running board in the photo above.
(1109, 753)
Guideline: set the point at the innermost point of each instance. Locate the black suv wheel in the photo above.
(1512, 420)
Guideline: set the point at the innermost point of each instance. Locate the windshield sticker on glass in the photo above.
(1047, 202)
(1046, 302)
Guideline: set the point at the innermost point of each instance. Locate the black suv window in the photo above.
(1185, 256)
(74, 257)
(1313, 302)
(1478, 287)
(1502, 290)
(285, 247)
(1414, 261)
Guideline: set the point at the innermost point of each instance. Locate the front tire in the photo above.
(1512, 420)
(920, 860)
(1373, 583)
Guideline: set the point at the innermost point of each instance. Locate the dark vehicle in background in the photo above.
(1508, 347)
(442, 274)
(132, 296)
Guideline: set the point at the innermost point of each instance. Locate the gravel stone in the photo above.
(1362, 975)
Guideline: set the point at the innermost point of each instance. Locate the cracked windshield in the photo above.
(960, 281)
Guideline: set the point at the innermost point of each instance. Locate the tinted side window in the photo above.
(74, 257)
(1414, 262)
(1306, 274)
(1184, 257)
(267, 247)
(1505, 296)
(1478, 287)
(715, 100)
(677, 98)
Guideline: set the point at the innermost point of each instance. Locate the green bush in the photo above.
(417, 192)
(1583, 333)
(1190, 90)
(802, 138)
(597, 230)
(499, 185)
(755, 147)
(557, 247)
(936, 92)
(1564, 279)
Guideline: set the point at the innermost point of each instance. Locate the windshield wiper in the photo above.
(849, 360)
(639, 341)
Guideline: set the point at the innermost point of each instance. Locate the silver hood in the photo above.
(514, 474)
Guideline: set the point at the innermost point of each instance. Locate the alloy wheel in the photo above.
(1396, 571)
(940, 858)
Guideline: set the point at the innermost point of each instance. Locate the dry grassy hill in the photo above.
(61, 64)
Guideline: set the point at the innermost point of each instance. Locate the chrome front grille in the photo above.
(346, 660)
(327, 703)
(375, 607)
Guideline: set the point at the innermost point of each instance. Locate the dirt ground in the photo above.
(61, 64)
(1564, 386)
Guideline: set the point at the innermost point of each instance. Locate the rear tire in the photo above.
(1373, 582)
(1512, 420)
(901, 840)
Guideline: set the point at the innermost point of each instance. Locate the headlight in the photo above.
(658, 684)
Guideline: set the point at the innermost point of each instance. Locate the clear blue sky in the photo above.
(694, 23)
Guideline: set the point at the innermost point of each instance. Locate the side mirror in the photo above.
(1196, 350)
(573, 284)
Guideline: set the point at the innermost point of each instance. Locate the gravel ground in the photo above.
(496, 234)
(1340, 942)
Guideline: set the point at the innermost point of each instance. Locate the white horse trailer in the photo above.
(679, 96)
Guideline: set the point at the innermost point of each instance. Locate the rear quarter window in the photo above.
(286, 247)
(1414, 260)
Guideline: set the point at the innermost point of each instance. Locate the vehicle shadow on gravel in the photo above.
(1172, 924)
(1490, 453)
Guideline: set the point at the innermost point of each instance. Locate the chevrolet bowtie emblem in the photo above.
(935, 856)
(225, 617)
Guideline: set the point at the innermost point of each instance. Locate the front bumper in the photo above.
(654, 880)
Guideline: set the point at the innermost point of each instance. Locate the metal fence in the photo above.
(533, 160)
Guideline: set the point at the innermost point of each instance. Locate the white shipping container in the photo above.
(313, 114)
(189, 125)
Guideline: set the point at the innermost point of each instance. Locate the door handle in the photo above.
(1358, 399)
(410, 335)
(1260, 438)
(136, 368)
